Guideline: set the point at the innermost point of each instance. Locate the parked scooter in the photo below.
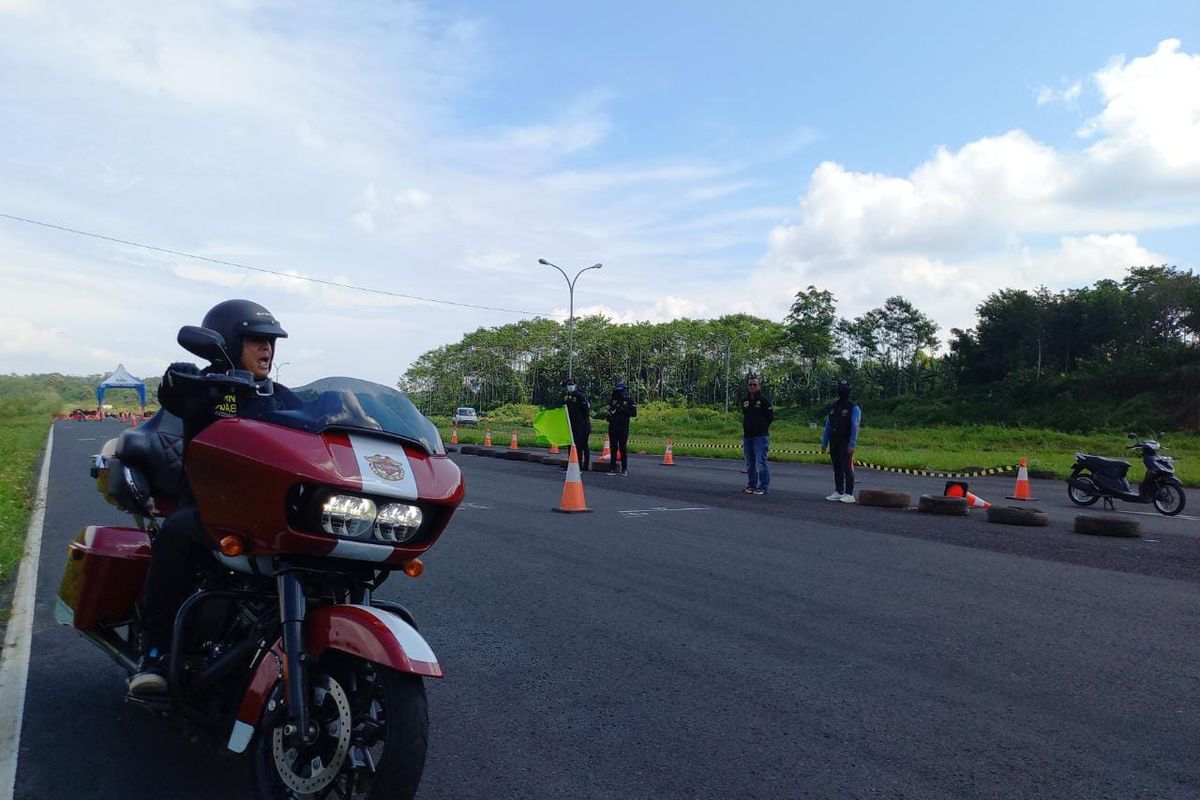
(1095, 477)
(283, 651)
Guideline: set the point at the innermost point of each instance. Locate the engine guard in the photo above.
(369, 633)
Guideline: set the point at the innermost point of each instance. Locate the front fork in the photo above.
(292, 608)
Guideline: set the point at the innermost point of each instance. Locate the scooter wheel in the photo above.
(1169, 499)
(1082, 491)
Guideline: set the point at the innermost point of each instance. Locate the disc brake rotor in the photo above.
(307, 772)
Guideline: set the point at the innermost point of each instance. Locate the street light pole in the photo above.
(571, 318)
(279, 368)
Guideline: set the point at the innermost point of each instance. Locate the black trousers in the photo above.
(178, 549)
(843, 467)
(620, 443)
(581, 448)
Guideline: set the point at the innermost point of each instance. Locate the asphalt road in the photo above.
(688, 641)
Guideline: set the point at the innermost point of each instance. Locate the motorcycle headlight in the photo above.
(397, 523)
(347, 515)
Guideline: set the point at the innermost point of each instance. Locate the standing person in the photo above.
(619, 411)
(840, 438)
(250, 333)
(579, 411)
(757, 416)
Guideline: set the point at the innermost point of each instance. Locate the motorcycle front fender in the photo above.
(368, 633)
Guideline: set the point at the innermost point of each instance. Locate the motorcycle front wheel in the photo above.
(1082, 491)
(374, 729)
(1169, 499)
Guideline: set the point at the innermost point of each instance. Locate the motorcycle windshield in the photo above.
(357, 405)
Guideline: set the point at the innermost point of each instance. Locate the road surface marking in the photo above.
(644, 512)
(14, 662)
(1154, 514)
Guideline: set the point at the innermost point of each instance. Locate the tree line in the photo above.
(1116, 330)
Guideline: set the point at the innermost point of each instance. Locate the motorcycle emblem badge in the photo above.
(386, 467)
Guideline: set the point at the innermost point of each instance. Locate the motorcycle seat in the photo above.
(1105, 466)
(155, 448)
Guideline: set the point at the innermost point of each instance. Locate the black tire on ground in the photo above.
(514, 455)
(394, 712)
(599, 466)
(536, 457)
(468, 449)
(554, 461)
(1017, 515)
(1107, 526)
(948, 506)
(883, 498)
(487, 452)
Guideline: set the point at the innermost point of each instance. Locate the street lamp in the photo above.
(571, 318)
(279, 367)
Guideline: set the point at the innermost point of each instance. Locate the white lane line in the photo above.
(14, 661)
(642, 512)
(1154, 514)
(92, 439)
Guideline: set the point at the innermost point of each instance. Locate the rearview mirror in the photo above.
(208, 344)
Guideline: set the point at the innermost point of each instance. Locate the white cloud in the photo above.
(1067, 94)
(970, 221)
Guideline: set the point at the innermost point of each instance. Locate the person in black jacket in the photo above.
(757, 416)
(250, 333)
(579, 411)
(840, 438)
(619, 411)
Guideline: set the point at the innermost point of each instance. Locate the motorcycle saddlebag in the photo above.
(106, 567)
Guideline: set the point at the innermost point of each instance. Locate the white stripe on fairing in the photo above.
(360, 551)
(365, 446)
(240, 738)
(415, 646)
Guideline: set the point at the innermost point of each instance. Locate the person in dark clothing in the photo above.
(250, 332)
(579, 411)
(619, 411)
(840, 438)
(757, 416)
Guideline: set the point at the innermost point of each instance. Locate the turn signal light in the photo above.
(233, 546)
(414, 568)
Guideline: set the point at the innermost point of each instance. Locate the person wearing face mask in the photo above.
(579, 411)
(840, 438)
(250, 333)
(619, 411)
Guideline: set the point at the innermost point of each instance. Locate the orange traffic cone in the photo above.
(1022, 491)
(975, 501)
(512, 443)
(454, 436)
(554, 448)
(668, 456)
(606, 453)
(572, 496)
(487, 439)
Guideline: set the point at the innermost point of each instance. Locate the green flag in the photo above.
(552, 426)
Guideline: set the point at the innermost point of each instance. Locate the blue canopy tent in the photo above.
(121, 379)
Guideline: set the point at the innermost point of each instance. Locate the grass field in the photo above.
(22, 437)
(709, 432)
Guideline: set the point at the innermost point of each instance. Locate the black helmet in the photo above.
(234, 319)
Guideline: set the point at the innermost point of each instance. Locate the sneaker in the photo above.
(847, 498)
(624, 474)
(149, 678)
(610, 473)
(759, 491)
(834, 497)
(749, 490)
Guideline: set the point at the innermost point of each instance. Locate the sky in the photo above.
(715, 157)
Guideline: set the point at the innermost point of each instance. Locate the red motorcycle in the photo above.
(283, 645)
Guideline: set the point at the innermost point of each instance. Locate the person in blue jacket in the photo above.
(840, 438)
